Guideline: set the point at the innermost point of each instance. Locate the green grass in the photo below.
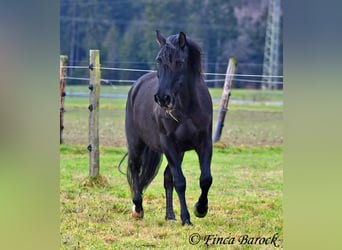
(104, 89)
(237, 94)
(245, 198)
(245, 125)
(250, 94)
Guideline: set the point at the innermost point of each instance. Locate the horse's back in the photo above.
(140, 122)
(146, 81)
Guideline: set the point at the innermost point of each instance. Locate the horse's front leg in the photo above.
(168, 185)
(204, 152)
(174, 162)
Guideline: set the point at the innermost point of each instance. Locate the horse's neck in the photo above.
(188, 95)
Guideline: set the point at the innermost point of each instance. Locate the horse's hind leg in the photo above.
(204, 153)
(168, 185)
(134, 165)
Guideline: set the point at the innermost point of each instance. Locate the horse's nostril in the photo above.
(164, 100)
(167, 99)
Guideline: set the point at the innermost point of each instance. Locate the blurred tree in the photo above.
(124, 32)
(220, 29)
(131, 52)
(170, 17)
(110, 50)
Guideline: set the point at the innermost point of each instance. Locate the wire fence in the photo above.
(247, 78)
(80, 73)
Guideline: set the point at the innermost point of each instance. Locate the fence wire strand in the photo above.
(109, 81)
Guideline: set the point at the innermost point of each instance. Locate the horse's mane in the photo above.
(195, 56)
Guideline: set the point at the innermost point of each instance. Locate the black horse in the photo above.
(170, 112)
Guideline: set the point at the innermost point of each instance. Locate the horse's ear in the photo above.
(160, 39)
(182, 40)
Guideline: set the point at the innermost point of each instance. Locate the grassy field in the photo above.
(245, 198)
(238, 94)
(245, 125)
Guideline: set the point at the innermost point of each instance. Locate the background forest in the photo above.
(124, 32)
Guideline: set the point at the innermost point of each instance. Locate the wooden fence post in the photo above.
(225, 99)
(94, 99)
(63, 61)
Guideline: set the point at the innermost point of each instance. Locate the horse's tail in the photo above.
(119, 166)
(151, 162)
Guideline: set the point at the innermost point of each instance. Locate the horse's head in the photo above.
(172, 61)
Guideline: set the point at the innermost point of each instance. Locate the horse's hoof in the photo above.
(187, 222)
(198, 213)
(171, 221)
(171, 217)
(137, 215)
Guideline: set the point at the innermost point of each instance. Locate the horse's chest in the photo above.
(186, 135)
(185, 131)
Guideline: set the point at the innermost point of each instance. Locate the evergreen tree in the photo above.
(124, 32)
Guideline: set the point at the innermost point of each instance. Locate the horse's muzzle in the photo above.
(165, 101)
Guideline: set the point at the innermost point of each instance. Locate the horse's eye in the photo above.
(159, 61)
(179, 63)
